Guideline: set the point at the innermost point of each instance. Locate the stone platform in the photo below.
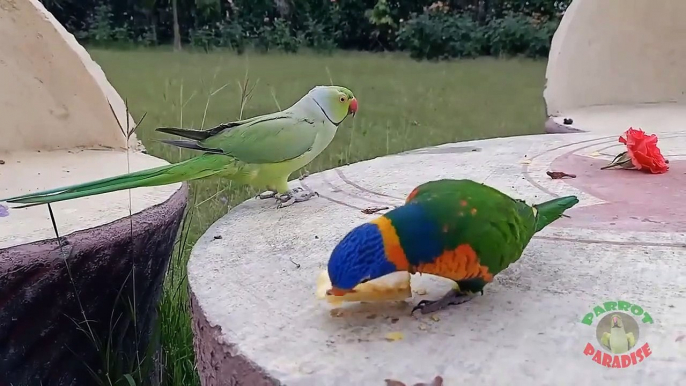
(252, 276)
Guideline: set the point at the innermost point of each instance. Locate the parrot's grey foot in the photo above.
(266, 194)
(293, 196)
(451, 298)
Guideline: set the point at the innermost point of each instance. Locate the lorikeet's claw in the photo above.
(451, 298)
(293, 196)
(266, 194)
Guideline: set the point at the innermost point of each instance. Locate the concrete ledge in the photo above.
(257, 321)
(615, 119)
(113, 268)
(26, 172)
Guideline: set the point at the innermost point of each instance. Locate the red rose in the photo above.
(643, 151)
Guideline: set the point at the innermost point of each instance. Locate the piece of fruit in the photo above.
(394, 286)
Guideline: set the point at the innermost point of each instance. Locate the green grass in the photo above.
(403, 104)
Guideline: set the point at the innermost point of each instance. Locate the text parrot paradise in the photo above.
(617, 333)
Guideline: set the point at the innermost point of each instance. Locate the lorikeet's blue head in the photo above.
(358, 258)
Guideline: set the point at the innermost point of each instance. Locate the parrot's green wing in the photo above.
(495, 225)
(200, 135)
(272, 139)
(631, 338)
(605, 340)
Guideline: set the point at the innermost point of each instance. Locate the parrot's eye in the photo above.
(342, 99)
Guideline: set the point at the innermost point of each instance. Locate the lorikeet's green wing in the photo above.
(271, 139)
(605, 340)
(495, 226)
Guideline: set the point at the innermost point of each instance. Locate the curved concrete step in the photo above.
(257, 321)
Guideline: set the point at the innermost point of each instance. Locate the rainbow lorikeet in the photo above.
(458, 229)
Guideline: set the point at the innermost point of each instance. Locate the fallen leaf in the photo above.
(435, 318)
(559, 175)
(374, 210)
(393, 336)
(438, 381)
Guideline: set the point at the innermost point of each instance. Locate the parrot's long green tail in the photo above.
(552, 210)
(194, 168)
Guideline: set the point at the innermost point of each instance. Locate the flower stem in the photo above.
(622, 159)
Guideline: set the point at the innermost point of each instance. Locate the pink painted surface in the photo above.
(637, 201)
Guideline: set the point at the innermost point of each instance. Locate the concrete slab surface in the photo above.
(611, 119)
(257, 321)
(26, 172)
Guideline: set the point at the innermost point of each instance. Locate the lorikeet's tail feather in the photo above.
(552, 210)
(191, 169)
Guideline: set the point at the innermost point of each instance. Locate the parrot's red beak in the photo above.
(353, 107)
(338, 292)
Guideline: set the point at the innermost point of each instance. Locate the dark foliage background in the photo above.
(426, 29)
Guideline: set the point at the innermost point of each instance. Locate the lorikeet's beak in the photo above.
(615, 322)
(353, 107)
(338, 292)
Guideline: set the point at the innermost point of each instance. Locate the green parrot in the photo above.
(457, 229)
(261, 151)
(617, 340)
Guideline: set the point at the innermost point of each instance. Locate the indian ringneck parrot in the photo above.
(618, 340)
(457, 229)
(261, 151)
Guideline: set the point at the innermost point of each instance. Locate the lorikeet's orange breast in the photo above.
(458, 264)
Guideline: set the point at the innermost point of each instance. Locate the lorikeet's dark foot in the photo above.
(293, 196)
(468, 288)
(266, 194)
(451, 298)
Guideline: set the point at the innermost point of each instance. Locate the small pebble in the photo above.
(435, 318)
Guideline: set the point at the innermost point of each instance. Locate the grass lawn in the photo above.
(403, 104)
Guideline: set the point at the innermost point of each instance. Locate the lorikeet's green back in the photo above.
(496, 226)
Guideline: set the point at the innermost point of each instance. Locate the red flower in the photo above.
(643, 151)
